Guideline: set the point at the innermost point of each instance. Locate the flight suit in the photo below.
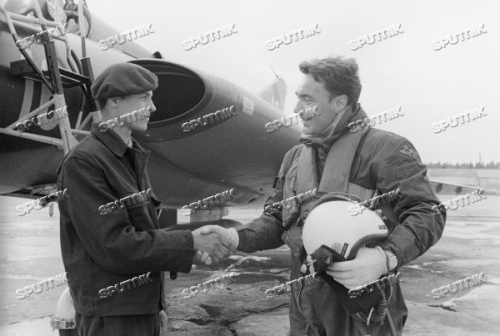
(383, 162)
(102, 250)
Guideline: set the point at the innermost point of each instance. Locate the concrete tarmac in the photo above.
(30, 252)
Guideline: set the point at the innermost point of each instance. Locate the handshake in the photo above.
(214, 243)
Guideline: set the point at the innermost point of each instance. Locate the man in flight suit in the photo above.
(112, 247)
(381, 162)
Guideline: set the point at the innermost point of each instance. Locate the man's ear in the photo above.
(340, 103)
(113, 101)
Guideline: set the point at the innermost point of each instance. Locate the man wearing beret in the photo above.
(361, 163)
(113, 250)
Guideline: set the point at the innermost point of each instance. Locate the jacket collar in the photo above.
(113, 141)
(332, 133)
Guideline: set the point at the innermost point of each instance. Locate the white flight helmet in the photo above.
(330, 223)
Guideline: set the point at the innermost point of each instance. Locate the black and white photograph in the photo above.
(249, 168)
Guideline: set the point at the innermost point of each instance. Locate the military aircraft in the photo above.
(50, 52)
(236, 151)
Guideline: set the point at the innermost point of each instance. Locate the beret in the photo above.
(123, 79)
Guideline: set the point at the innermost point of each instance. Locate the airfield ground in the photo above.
(30, 252)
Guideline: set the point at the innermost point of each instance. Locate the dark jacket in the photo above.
(100, 251)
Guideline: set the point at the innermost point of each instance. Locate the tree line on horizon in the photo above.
(463, 165)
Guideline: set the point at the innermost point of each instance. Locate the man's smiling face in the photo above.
(312, 93)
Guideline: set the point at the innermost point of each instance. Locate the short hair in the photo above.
(339, 75)
(102, 102)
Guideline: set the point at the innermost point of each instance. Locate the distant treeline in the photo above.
(470, 165)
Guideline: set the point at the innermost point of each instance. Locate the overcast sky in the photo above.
(403, 70)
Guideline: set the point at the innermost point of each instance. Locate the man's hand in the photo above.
(211, 246)
(229, 237)
(163, 321)
(203, 257)
(369, 264)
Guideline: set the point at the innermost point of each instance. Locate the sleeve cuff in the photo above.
(393, 259)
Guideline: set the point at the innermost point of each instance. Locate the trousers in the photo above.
(131, 325)
(315, 311)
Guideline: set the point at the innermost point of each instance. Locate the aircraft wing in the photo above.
(445, 187)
